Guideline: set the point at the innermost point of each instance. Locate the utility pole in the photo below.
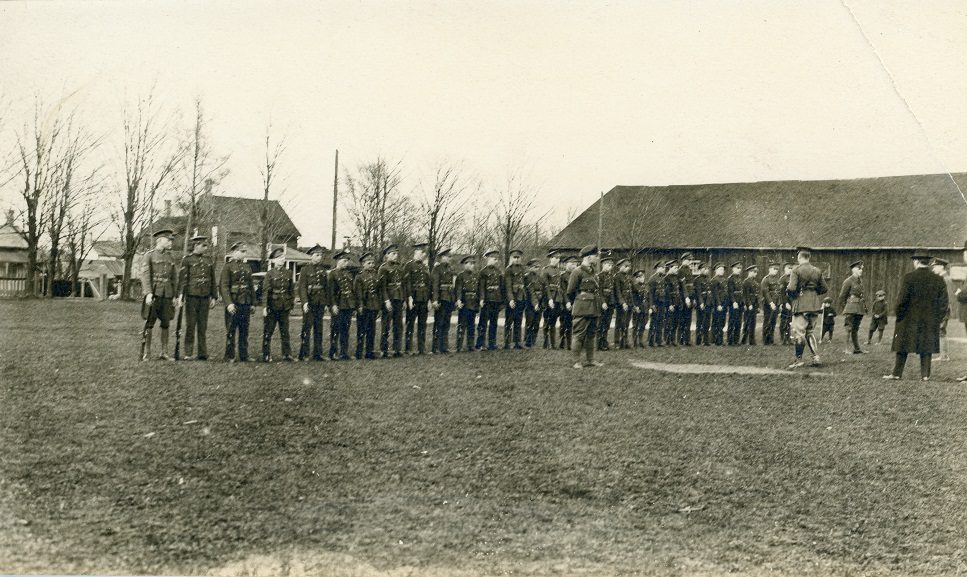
(335, 197)
(600, 219)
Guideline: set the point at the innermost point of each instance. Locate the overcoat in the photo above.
(921, 305)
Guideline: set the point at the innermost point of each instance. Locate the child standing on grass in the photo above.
(878, 324)
(829, 319)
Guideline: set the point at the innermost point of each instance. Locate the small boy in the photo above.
(829, 319)
(878, 324)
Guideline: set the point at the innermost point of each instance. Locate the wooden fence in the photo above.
(12, 287)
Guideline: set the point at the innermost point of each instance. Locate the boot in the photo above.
(147, 346)
(164, 345)
(546, 343)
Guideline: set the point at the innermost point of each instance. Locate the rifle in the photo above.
(181, 311)
(144, 329)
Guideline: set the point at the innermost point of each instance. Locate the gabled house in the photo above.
(13, 259)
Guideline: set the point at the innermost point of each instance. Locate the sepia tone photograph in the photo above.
(471, 289)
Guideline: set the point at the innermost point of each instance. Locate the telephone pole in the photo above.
(335, 197)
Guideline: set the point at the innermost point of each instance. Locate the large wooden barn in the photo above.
(879, 220)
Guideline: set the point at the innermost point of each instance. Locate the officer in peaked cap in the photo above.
(751, 289)
(467, 303)
(238, 294)
(771, 292)
(785, 305)
(535, 301)
(656, 305)
(391, 288)
(490, 291)
(606, 284)
(551, 273)
(514, 299)
(442, 297)
(342, 303)
(719, 302)
(279, 294)
(584, 292)
(368, 302)
(623, 303)
(806, 287)
(416, 288)
(733, 286)
(159, 278)
(567, 319)
(198, 288)
(852, 303)
(314, 294)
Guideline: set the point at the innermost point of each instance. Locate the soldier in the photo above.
(159, 277)
(750, 304)
(555, 298)
(277, 290)
(368, 304)
(197, 285)
(701, 305)
(391, 289)
(442, 295)
(685, 273)
(490, 283)
(674, 297)
(535, 292)
(733, 286)
(852, 303)
(567, 318)
(238, 294)
(468, 303)
(806, 286)
(514, 297)
(416, 287)
(656, 299)
(342, 299)
(785, 306)
(314, 295)
(584, 291)
(606, 283)
(771, 293)
(639, 300)
(719, 302)
(625, 301)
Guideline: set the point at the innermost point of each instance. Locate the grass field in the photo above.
(473, 464)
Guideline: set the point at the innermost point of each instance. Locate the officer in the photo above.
(686, 274)
(674, 296)
(584, 291)
(656, 299)
(719, 302)
(342, 299)
(535, 301)
(442, 284)
(391, 289)
(277, 290)
(567, 318)
(852, 303)
(238, 294)
(514, 297)
(702, 304)
(625, 301)
(197, 285)
(750, 299)
(368, 303)
(785, 306)
(806, 287)
(606, 283)
(416, 287)
(639, 296)
(159, 277)
(490, 283)
(733, 286)
(771, 294)
(314, 295)
(555, 301)
(468, 302)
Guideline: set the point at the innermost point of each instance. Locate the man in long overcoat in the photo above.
(920, 307)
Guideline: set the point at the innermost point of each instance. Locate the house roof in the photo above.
(918, 211)
(96, 268)
(108, 248)
(10, 237)
(235, 214)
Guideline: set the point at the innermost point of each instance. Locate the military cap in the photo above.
(752, 267)
(167, 232)
(199, 238)
(639, 272)
(855, 264)
(737, 264)
(391, 248)
(239, 245)
(803, 249)
(551, 253)
(606, 259)
(672, 262)
(828, 300)
(468, 258)
(687, 256)
(443, 252)
(719, 265)
(658, 265)
(533, 262)
(702, 264)
(773, 263)
(493, 252)
(316, 249)
(572, 258)
(940, 261)
(276, 253)
(920, 256)
(623, 261)
(881, 293)
(343, 254)
(589, 250)
(785, 264)
(420, 246)
(367, 256)
(516, 252)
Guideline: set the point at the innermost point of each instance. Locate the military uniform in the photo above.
(368, 300)
(490, 282)
(314, 292)
(852, 303)
(416, 287)
(785, 311)
(391, 287)
(701, 303)
(751, 290)
(733, 286)
(552, 312)
(442, 284)
(342, 296)
(674, 297)
(159, 276)
(535, 301)
(567, 317)
(197, 283)
(639, 302)
(719, 304)
(465, 289)
(684, 315)
(606, 282)
(623, 307)
(806, 285)
(513, 292)
(771, 293)
(584, 291)
(237, 289)
(277, 290)
(656, 298)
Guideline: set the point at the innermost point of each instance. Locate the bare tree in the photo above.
(269, 177)
(477, 233)
(442, 205)
(150, 157)
(375, 204)
(514, 207)
(640, 214)
(84, 227)
(200, 170)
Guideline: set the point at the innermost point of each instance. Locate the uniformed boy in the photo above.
(159, 277)
(829, 320)
(639, 296)
(674, 297)
(535, 293)
(342, 296)
(238, 295)
(879, 320)
(490, 288)
(720, 303)
(442, 300)
(567, 319)
(314, 295)
(279, 294)
(467, 302)
(785, 306)
(197, 285)
(514, 298)
(368, 304)
(751, 290)
(733, 286)
(852, 303)
(391, 289)
(607, 285)
(555, 298)
(584, 291)
(416, 287)
(623, 306)
(684, 313)
(656, 300)
(771, 303)
(703, 312)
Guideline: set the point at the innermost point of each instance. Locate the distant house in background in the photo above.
(13, 260)
(881, 221)
(102, 270)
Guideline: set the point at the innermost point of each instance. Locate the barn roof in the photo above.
(918, 211)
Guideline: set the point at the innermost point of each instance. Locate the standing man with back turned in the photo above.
(806, 285)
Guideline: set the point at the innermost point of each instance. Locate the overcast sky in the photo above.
(580, 96)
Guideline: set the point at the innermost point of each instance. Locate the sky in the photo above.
(576, 96)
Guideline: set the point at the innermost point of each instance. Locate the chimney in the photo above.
(167, 208)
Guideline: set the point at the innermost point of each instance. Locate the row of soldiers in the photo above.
(534, 298)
